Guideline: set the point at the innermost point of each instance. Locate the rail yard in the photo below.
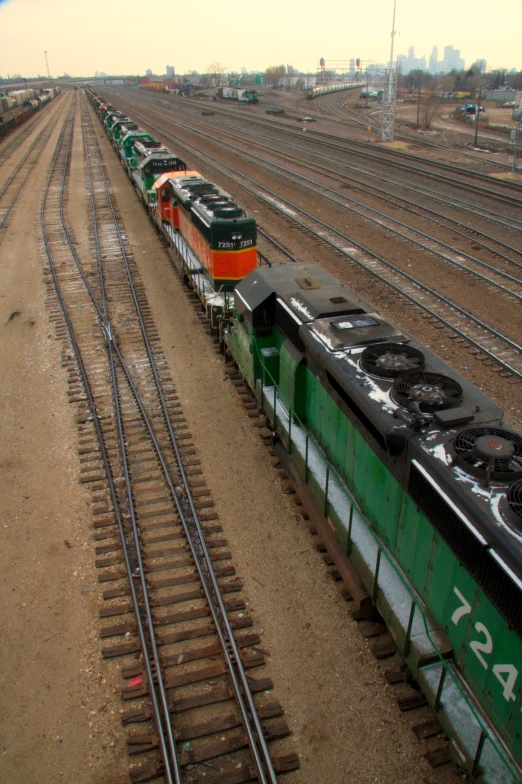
(164, 540)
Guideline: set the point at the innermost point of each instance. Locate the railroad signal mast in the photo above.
(354, 69)
(390, 95)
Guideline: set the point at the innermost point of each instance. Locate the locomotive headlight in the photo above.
(237, 236)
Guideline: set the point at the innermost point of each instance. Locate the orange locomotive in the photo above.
(219, 232)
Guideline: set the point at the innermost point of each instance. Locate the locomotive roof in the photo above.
(187, 187)
(175, 177)
(305, 280)
(214, 210)
(192, 188)
(136, 132)
(150, 148)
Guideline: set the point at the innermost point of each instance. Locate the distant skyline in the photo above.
(123, 36)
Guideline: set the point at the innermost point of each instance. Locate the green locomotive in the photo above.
(147, 160)
(120, 128)
(416, 483)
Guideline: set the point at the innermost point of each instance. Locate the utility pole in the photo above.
(47, 64)
(388, 112)
(516, 138)
(477, 117)
(418, 105)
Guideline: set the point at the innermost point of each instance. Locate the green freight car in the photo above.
(415, 483)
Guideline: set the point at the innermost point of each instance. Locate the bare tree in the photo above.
(216, 70)
(475, 83)
(429, 106)
(300, 83)
(274, 75)
(447, 83)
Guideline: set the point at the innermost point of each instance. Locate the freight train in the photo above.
(321, 89)
(16, 107)
(410, 473)
(237, 94)
(214, 238)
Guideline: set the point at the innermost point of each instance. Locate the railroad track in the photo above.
(484, 341)
(438, 196)
(12, 188)
(448, 200)
(7, 148)
(446, 173)
(349, 117)
(172, 596)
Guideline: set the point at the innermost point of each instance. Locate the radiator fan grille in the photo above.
(489, 453)
(432, 391)
(229, 210)
(514, 497)
(389, 360)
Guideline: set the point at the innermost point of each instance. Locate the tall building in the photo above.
(452, 59)
(432, 68)
(169, 70)
(243, 70)
(148, 72)
(411, 63)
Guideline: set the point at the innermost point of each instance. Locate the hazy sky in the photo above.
(128, 36)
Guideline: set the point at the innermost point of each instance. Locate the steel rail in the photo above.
(170, 759)
(362, 121)
(171, 779)
(198, 548)
(368, 151)
(42, 137)
(383, 194)
(207, 575)
(315, 188)
(273, 199)
(26, 130)
(276, 244)
(24, 159)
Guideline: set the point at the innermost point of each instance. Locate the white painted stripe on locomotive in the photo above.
(289, 311)
(243, 300)
(450, 503)
(506, 568)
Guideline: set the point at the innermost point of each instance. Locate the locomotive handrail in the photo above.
(382, 551)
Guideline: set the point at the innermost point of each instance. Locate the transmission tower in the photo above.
(390, 96)
(47, 64)
(388, 109)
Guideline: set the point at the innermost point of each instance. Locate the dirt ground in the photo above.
(58, 706)
(59, 700)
